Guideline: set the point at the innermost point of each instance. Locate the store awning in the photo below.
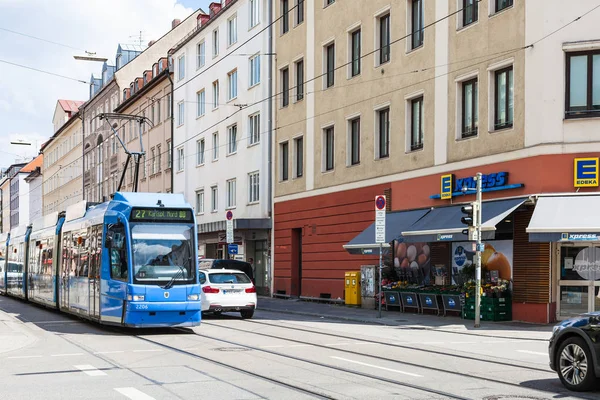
(565, 219)
(444, 223)
(395, 222)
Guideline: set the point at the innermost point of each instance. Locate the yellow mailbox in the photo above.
(352, 288)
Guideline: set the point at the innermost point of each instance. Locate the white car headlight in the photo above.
(192, 297)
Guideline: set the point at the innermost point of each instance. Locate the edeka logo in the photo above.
(586, 172)
(409, 300)
(428, 301)
(460, 257)
(446, 187)
(451, 303)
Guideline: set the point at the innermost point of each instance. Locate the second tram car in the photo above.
(129, 261)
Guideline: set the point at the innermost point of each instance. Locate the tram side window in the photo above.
(115, 242)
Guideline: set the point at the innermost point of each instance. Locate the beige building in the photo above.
(5, 191)
(147, 96)
(62, 167)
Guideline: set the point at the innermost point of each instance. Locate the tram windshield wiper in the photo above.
(178, 275)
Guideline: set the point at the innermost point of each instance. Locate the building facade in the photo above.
(35, 183)
(62, 169)
(5, 189)
(385, 101)
(223, 129)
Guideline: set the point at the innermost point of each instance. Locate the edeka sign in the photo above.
(490, 182)
(585, 172)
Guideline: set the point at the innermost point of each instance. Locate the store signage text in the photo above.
(579, 237)
(451, 187)
(444, 237)
(586, 172)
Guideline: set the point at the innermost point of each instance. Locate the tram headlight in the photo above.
(136, 297)
(192, 297)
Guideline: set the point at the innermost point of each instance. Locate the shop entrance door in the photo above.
(579, 279)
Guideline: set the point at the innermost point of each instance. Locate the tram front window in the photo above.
(162, 253)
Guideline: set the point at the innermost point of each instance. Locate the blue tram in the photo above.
(129, 261)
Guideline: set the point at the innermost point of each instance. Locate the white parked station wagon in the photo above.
(226, 290)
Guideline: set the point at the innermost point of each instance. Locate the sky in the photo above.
(28, 98)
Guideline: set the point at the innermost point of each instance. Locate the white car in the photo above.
(225, 290)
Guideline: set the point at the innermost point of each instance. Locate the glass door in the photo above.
(579, 281)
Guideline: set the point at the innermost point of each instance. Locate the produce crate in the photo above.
(496, 315)
(468, 314)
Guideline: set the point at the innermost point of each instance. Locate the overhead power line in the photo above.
(41, 39)
(44, 72)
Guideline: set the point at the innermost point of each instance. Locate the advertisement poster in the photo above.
(497, 256)
(412, 262)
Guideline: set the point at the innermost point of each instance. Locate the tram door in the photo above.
(63, 273)
(94, 270)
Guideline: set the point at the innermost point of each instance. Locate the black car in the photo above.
(574, 351)
(245, 267)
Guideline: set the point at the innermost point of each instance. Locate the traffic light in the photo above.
(470, 219)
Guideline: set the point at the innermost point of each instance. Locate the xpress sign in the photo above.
(489, 182)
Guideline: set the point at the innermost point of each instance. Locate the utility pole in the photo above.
(479, 250)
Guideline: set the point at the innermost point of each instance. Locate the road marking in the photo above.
(133, 393)
(17, 357)
(146, 351)
(537, 353)
(90, 370)
(272, 347)
(463, 342)
(66, 355)
(375, 366)
(433, 342)
(110, 352)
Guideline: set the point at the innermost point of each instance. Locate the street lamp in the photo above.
(21, 143)
(90, 56)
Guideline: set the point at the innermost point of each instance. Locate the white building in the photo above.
(223, 128)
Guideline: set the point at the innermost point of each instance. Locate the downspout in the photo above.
(270, 147)
(172, 126)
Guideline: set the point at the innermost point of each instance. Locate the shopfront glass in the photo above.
(579, 281)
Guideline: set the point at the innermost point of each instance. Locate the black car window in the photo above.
(229, 277)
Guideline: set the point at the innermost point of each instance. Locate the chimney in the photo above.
(147, 76)
(227, 2)
(214, 8)
(175, 23)
(203, 19)
(150, 43)
(139, 83)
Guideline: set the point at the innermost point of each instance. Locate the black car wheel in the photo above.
(247, 314)
(575, 365)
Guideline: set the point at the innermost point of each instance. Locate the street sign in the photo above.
(380, 219)
(232, 248)
(229, 216)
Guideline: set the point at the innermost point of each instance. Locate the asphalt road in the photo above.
(47, 355)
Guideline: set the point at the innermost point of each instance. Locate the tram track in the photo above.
(375, 357)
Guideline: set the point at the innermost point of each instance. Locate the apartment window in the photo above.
(200, 202)
(330, 65)
(215, 145)
(299, 159)
(299, 11)
(470, 11)
(299, 80)
(253, 187)
(232, 139)
(157, 110)
(254, 12)
(384, 39)
(214, 198)
(355, 52)
(469, 108)
(255, 70)
(355, 141)
(180, 113)
(153, 161)
(200, 103)
(583, 84)
(159, 158)
(416, 123)
(232, 30)
(383, 133)
(169, 105)
(169, 155)
(417, 23)
(503, 99)
(329, 2)
(329, 149)
(180, 159)
(285, 19)
(231, 193)
(200, 152)
(181, 67)
(502, 4)
(201, 54)
(215, 86)
(232, 81)
(215, 36)
(152, 113)
(285, 85)
(284, 152)
(254, 124)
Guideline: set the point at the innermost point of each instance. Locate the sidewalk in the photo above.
(13, 334)
(510, 330)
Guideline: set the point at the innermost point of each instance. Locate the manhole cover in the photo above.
(232, 349)
(513, 397)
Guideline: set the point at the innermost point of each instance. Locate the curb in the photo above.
(405, 327)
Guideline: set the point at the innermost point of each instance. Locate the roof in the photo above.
(131, 47)
(70, 105)
(35, 163)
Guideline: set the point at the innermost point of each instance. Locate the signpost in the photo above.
(480, 247)
(229, 240)
(380, 203)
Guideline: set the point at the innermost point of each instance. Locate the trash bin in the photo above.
(352, 288)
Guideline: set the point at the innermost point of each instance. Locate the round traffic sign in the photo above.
(229, 215)
(380, 202)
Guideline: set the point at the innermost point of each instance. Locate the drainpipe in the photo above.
(172, 138)
(270, 151)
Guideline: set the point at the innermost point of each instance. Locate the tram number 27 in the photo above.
(139, 214)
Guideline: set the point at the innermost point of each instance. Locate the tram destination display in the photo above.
(160, 214)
